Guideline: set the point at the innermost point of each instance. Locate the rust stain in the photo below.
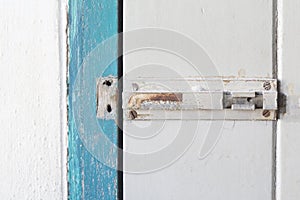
(226, 81)
(135, 101)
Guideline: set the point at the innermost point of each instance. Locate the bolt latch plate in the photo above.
(107, 98)
(200, 99)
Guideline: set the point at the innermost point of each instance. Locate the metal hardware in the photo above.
(189, 99)
(267, 85)
(132, 114)
(107, 98)
(200, 99)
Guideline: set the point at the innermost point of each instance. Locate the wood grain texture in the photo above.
(90, 23)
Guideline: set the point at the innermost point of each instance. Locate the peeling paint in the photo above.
(90, 23)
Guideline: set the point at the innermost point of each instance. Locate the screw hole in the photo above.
(249, 99)
(107, 82)
(108, 108)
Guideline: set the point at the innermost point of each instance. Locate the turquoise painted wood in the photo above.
(91, 22)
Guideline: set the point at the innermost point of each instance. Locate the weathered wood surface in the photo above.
(91, 22)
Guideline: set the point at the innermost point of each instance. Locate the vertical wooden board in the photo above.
(236, 35)
(237, 38)
(91, 22)
(32, 135)
(288, 151)
(238, 168)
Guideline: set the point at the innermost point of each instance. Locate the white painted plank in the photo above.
(288, 159)
(238, 168)
(31, 147)
(236, 36)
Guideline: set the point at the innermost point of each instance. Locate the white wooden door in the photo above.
(212, 159)
(239, 44)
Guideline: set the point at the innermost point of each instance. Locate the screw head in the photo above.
(133, 114)
(135, 86)
(266, 113)
(267, 85)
